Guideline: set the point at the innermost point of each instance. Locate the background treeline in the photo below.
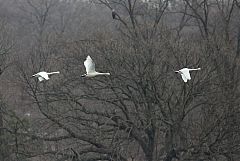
(143, 111)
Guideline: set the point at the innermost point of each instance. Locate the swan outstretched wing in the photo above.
(89, 65)
(184, 78)
(40, 79)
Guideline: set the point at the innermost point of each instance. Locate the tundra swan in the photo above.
(44, 75)
(90, 68)
(185, 73)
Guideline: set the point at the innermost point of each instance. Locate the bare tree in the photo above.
(143, 111)
(6, 46)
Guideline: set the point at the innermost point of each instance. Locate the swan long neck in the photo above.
(195, 69)
(102, 73)
(54, 72)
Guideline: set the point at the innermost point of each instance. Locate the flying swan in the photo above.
(44, 75)
(90, 68)
(185, 73)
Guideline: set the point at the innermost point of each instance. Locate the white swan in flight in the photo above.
(185, 73)
(90, 68)
(44, 75)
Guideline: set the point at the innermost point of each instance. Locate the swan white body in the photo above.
(44, 75)
(185, 73)
(90, 68)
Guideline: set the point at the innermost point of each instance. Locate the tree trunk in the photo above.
(1, 133)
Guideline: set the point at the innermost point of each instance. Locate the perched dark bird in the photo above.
(114, 14)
